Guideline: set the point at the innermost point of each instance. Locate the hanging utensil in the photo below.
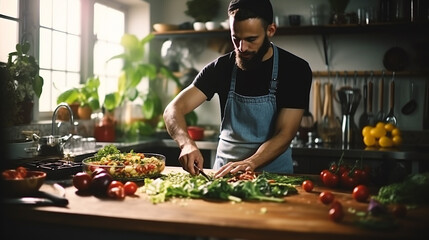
(363, 120)
(371, 118)
(390, 118)
(411, 105)
(381, 115)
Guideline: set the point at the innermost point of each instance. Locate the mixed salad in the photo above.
(124, 166)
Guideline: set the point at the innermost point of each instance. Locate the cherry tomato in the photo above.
(307, 185)
(130, 188)
(330, 179)
(21, 172)
(336, 213)
(322, 173)
(399, 210)
(115, 183)
(361, 176)
(342, 169)
(117, 192)
(361, 193)
(326, 197)
(348, 180)
(336, 204)
(333, 167)
(82, 181)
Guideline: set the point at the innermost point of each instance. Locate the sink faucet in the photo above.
(54, 116)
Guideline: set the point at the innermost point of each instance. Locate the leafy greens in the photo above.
(266, 187)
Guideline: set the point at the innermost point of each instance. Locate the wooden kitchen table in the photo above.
(301, 216)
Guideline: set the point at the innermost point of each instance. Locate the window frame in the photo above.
(29, 25)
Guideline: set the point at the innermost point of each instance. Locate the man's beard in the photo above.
(252, 59)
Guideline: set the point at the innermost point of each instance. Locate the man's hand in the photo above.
(235, 167)
(189, 155)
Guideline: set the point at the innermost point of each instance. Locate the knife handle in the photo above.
(59, 201)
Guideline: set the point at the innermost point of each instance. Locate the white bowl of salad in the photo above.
(125, 166)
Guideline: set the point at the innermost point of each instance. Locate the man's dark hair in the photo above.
(245, 9)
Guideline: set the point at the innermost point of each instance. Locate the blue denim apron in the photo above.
(247, 123)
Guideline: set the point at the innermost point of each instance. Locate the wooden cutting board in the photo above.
(301, 216)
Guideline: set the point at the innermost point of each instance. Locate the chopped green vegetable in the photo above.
(106, 150)
(413, 190)
(266, 187)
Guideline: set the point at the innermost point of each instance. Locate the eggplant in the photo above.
(376, 208)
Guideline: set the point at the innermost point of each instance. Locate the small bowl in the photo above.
(128, 166)
(30, 184)
(196, 133)
(225, 24)
(294, 20)
(212, 25)
(199, 26)
(164, 27)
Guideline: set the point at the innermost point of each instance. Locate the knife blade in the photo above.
(202, 172)
(36, 201)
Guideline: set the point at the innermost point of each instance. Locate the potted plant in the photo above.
(135, 68)
(83, 100)
(202, 10)
(23, 84)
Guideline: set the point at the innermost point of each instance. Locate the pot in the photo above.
(51, 145)
(20, 149)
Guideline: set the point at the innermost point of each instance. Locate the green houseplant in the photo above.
(85, 98)
(135, 69)
(202, 10)
(24, 83)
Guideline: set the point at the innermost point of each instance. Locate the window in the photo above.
(59, 46)
(109, 27)
(9, 23)
(72, 40)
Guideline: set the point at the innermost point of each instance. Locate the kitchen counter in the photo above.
(417, 157)
(302, 216)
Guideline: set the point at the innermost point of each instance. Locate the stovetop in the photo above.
(56, 168)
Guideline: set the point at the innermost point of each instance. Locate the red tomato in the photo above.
(326, 197)
(130, 188)
(330, 179)
(307, 185)
(21, 172)
(117, 192)
(342, 169)
(82, 181)
(97, 171)
(348, 180)
(115, 183)
(361, 193)
(336, 214)
(333, 167)
(323, 172)
(336, 204)
(362, 176)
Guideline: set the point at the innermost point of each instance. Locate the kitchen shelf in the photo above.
(391, 28)
(351, 74)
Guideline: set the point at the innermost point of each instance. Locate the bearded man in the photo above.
(262, 89)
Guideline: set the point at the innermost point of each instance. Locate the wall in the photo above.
(347, 52)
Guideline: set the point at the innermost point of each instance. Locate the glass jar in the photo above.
(104, 129)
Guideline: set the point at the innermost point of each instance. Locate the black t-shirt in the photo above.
(293, 87)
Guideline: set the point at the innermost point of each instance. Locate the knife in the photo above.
(39, 199)
(202, 172)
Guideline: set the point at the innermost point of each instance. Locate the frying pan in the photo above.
(395, 59)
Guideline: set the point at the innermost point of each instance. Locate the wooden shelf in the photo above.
(390, 28)
(376, 73)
